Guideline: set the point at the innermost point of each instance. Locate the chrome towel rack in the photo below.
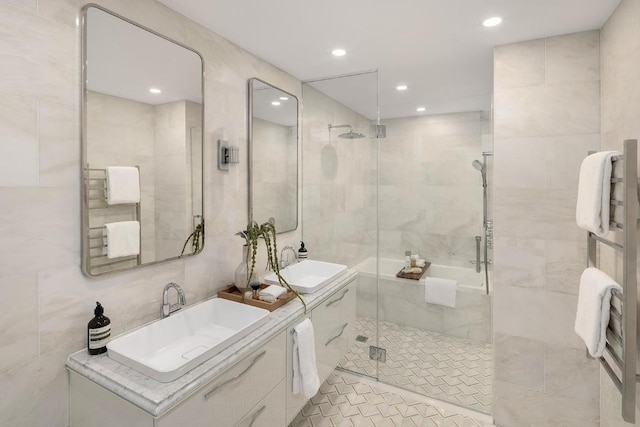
(619, 359)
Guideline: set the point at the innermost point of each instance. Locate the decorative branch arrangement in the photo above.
(267, 232)
(197, 236)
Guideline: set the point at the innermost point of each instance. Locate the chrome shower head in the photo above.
(478, 165)
(483, 171)
(349, 135)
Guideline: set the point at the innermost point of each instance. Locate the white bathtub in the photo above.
(401, 301)
(467, 278)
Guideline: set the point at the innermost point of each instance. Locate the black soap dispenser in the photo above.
(98, 331)
(302, 252)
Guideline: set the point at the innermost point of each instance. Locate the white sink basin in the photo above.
(168, 348)
(308, 276)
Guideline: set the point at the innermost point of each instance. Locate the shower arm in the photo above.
(341, 126)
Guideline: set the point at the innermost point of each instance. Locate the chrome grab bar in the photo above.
(216, 388)
(337, 336)
(478, 266)
(337, 299)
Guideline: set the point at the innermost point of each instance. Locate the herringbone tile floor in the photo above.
(452, 369)
(346, 401)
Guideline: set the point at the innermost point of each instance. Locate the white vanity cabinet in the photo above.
(224, 402)
(334, 328)
(255, 391)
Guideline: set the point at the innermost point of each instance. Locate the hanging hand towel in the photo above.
(594, 308)
(123, 185)
(123, 239)
(440, 291)
(594, 188)
(305, 371)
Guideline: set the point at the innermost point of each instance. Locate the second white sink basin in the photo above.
(168, 348)
(308, 276)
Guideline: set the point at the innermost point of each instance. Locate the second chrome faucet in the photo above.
(167, 308)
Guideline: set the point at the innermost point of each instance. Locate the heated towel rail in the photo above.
(95, 238)
(619, 359)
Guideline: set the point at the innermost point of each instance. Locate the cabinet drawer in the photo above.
(330, 350)
(334, 312)
(226, 399)
(270, 412)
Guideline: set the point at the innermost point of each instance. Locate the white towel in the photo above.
(440, 291)
(123, 239)
(594, 307)
(123, 185)
(271, 293)
(305, 371)
(594, 188)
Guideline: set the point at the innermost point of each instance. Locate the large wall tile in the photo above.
(520, 163)
(573, 57)
(18, 142)
(520, 262)
(519, 64)
(40, 229)
(59, 157)
(536, 214)
(38, 57)
(18, 320)
(570, 108)
(519, 361)
(566, 260)
(569, 373)
(536, 314)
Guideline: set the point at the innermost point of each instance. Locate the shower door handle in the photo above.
(478, 238)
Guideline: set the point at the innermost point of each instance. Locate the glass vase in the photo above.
(241, 275)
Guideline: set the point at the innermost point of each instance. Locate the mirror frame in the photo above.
(85, 251)
(251, 142)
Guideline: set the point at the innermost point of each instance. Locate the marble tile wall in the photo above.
(432, 205)
(48, 301)
(547, 117)
(620, 57)
(339, 179)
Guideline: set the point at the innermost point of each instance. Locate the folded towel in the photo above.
(594, 188)
(594, 306)
(421, 263)
(123, 185)
(271, 293)
(440, 291)
(305, 371)
(123, 239)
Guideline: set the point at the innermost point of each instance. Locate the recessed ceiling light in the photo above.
(275, 103)
(421, 109)
(155, 90)
(401, 87)
(284, 98)
(492, 22)
(338, 52)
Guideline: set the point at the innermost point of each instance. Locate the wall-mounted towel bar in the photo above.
(619, 359)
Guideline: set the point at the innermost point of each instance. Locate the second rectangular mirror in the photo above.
(273, 155)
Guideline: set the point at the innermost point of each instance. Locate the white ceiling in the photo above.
(436, 47)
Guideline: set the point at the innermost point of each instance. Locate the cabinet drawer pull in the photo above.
(256, 414)
(337, 299)
(222, 384)
(337, 336)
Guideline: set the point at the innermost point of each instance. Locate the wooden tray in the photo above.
(232, 293)
(413, 276)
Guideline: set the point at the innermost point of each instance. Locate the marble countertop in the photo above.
(155, 397)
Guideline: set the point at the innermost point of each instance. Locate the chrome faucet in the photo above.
(167, 308)
(284, 262)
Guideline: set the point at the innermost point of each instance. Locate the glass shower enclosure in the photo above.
(374, 188)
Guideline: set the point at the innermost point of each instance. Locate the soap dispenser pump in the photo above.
(98, 331)
(302, 252)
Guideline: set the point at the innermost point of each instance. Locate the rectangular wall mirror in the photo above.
(273, 155)
(142, 120)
